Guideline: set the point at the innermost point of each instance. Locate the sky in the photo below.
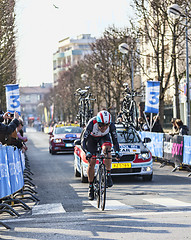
(41, 24)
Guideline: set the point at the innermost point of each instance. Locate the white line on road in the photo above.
(168, 202)
(85, 216)
(112, 205)
(48, 209)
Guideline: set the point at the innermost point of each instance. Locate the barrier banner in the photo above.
(173, 148)
(14, 172)
(5, 185)
(22, 156)
(152, 97)
(13, 98)
(19, 168)
(156, 144)
(12, 169)
(187, 150)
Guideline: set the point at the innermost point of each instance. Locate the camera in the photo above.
(11, 115)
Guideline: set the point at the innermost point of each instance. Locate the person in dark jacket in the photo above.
(175, 130)
(145, 126)
(157, 126)
(183, 129)
(6, 130)
(141, 123)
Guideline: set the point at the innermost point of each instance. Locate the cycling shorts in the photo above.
(92, 143)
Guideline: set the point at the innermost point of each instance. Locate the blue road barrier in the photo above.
(19, 170)
(171, 148)
(156, 144)
(187, 150)
(11, 170)
(22, 156)
(5, 184)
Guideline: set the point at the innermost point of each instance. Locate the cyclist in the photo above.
(97, 131)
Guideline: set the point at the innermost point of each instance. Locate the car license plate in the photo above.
(69, 145)
(121, 165)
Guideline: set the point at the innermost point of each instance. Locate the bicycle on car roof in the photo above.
(129, 107)
(85, 112)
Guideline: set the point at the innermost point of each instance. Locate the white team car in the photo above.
(136, 158)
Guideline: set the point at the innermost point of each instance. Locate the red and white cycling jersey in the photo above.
(96, 131)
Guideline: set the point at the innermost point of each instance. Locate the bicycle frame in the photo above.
(100, 181)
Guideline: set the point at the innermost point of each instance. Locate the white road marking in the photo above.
(112, 205)
(168, 202)
(48, 209)
(114, 214)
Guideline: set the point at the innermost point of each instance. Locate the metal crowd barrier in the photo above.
(170, 149)
(15, 182)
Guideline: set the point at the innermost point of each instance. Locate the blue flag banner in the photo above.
(187, 150)
(13, 98)
(156, 144)
(5, 185)
(152, 97)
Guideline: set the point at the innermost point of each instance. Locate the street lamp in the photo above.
(84, 77)
(175, 12)
(124, 48)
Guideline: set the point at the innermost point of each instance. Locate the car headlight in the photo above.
(144, 156)
(57, 140)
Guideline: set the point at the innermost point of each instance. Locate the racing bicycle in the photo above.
(100, 180)
(129, 107)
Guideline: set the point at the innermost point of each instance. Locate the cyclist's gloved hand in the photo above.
(88, 155)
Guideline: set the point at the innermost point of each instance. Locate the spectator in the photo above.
(145, 125)
(141, 122)
(183, 129)
(20, 132)
(20, 136)
(12, 139)
(157, 126)
(119, 117)
(175, 130)
(6, 130)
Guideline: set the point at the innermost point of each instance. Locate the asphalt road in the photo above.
(160, 209)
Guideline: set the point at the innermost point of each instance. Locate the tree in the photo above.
(155, 31)
(106, 81)
(113, 68)
(7, 47)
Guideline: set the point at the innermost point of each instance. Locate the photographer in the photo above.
(6, 130)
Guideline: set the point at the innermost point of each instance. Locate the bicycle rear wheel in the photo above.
(134, 115)
(102, 188)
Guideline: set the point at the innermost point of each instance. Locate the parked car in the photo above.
(62, 138)
(136, 158)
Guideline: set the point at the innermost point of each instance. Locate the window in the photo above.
(28, 98)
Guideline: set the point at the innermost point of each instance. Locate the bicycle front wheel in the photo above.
(102, 188)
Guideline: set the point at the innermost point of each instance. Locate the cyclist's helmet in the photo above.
(104, 117)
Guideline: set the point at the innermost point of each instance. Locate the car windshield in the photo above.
(63, 130)
(128, 136)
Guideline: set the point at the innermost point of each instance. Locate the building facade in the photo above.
(70, 52)
(31, 99)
